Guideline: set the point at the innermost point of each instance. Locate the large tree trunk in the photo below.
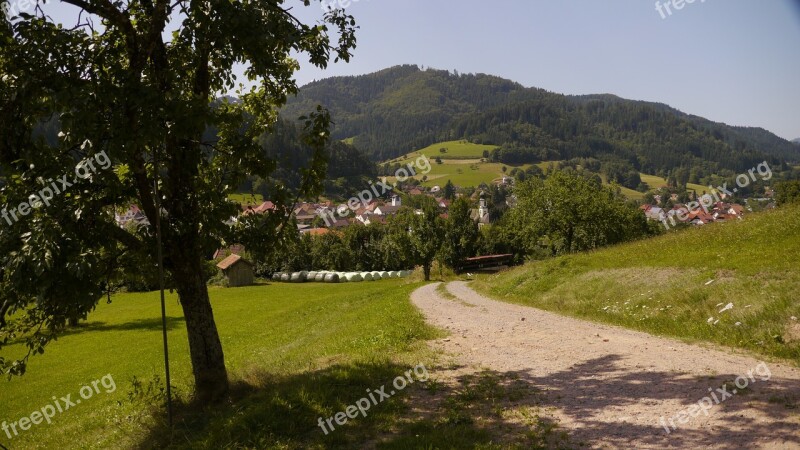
(426, 269)
(205, 348)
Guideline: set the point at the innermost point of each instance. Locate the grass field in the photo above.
(455, 150)
(282, 347)
(677, 284)
(460, 164)
(247, 199)
(295, 353)
(466, 174)
(656, 182)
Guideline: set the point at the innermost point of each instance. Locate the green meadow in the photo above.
(247, 199)
(455, 150)
(656, 182)
(295, 353)
(305, 351)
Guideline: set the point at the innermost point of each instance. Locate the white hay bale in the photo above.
(331, 278)
(354, 277)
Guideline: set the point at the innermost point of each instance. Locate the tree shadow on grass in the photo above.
(272, 411)
(138, 324)
(460, 408)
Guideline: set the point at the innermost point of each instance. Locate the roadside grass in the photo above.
(678, 284)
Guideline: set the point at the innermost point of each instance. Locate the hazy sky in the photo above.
(732, 61)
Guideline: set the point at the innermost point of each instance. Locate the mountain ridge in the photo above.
(404, 108)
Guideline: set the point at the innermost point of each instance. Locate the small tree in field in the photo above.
(425, 233)
(461, 234)
(146, 100)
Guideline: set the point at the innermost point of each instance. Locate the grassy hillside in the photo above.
(461, 164)
(656, 182)
(677, 284)
(455, 150)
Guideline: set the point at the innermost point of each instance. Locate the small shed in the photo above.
(237, 270)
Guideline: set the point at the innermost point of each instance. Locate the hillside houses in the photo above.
(132, 215)
(312, 217)
(694, 215)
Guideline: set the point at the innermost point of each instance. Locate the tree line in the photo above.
(565, 212)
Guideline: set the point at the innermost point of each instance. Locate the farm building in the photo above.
(237, 270)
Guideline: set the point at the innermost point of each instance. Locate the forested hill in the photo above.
(391, 112)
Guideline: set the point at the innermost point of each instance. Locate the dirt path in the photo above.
(609, 387)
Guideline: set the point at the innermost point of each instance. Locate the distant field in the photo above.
(631, 194)
(247, 199)
(656, 285)
(466, 174)
(460, 164)
(455, 150)
(656, 182)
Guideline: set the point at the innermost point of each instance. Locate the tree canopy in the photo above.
(118, 84)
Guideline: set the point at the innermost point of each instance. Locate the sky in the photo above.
(731, 61)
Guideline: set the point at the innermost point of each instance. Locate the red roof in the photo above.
(316, 231)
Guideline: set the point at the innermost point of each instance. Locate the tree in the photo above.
(568, 213)
(787, 192)
(425, 231)
(146, 100)
(449, 190)
(461, 234)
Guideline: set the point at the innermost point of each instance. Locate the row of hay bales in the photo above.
(337, 277)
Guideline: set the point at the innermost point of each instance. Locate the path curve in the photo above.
(610, 387)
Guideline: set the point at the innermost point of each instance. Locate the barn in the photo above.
(237, 270)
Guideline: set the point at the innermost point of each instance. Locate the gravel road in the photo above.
(611, 387)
